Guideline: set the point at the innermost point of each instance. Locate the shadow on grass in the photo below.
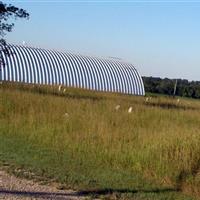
(75, 93)
(170, 106)
(123, 191)
(84, 193)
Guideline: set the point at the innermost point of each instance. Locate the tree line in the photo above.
(165, 86)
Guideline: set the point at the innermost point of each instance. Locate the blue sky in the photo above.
(161, 38)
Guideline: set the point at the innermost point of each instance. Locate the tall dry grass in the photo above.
(79, 138)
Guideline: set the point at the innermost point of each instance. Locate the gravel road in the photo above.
(13, 188)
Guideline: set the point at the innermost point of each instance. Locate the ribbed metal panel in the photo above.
(40, 66)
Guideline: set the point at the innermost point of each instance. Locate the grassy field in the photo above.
(79, 139)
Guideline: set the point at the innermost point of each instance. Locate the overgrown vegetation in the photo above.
(79, 139)
(165, 86)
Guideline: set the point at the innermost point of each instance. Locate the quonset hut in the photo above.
(40, 66)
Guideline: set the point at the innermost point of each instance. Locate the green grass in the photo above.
(151, 153)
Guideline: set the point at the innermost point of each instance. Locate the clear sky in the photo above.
(161, 38)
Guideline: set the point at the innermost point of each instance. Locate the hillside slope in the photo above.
(108, 143)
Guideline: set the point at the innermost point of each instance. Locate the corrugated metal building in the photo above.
(40, 66)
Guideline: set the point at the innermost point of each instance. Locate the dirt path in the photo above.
(13, 188)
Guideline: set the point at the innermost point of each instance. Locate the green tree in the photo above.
(7, 14)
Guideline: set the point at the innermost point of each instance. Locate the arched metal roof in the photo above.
(40, 66)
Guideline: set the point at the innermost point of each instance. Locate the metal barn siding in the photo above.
(40, 66)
